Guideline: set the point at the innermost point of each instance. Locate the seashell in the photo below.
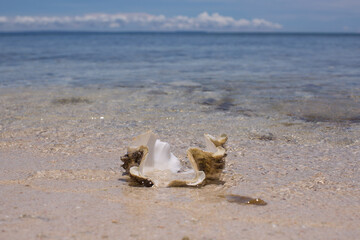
(150, 162)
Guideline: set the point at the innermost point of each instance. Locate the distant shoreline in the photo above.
(181, 32)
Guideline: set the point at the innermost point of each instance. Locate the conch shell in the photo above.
(149, 162)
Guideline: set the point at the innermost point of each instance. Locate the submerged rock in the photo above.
(233, 198)
(70, 100)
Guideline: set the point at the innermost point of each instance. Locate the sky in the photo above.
(181, 15)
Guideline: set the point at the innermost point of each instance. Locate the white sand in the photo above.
(61, 177)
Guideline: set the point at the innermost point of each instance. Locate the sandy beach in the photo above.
(61, 178)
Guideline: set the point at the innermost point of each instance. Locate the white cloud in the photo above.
(263, 23)
(136, 21)
(3, 19)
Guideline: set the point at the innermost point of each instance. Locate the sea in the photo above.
(265, 67)
(281, 64)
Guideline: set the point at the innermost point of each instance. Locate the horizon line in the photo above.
(180, 31)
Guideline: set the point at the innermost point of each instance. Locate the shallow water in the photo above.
(312, 77)
(71, 103)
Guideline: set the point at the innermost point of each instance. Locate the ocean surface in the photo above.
(277, 65)
(261, 67)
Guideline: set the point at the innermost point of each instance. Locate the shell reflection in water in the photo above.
(150, 162)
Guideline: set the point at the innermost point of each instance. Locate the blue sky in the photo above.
(224, 15)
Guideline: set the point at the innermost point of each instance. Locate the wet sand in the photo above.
(61, 177)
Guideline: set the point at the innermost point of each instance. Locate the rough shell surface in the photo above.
(133, 157)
